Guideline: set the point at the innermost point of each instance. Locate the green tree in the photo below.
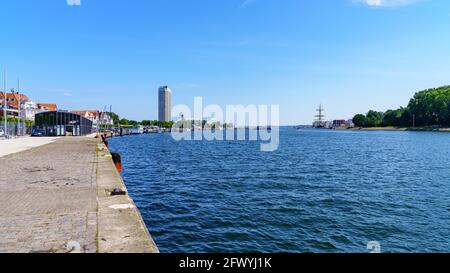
(392, 118)
(427, 108)
(133, 123)
(114, 117)
(374, 118)
(431, 107)
(124, 122)
(166, 124)
(360, 120)
(146, 123)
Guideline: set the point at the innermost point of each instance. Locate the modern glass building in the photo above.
(62, 124)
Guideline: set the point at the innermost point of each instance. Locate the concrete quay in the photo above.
(56, 198)
(16, 145)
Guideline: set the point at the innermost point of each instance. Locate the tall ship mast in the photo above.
(319, 121)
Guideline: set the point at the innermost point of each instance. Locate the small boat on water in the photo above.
(265, 128)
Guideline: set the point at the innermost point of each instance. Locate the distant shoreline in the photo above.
(417, 129)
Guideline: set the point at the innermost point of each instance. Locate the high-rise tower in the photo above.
(165, 104)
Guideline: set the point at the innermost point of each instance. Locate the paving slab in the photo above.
(51, 201)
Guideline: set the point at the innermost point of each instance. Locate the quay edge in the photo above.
(121, 228)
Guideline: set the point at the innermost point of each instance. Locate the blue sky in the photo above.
(349, 55)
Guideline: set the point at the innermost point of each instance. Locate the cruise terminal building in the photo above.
(60, 123)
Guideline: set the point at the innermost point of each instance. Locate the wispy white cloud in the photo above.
(74, 2)
(386, 3)
(247, 2)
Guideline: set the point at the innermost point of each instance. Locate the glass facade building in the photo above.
(62, 124)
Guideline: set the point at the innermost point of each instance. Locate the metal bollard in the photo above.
(117, 161)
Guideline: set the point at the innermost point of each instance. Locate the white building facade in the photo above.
(31, 109)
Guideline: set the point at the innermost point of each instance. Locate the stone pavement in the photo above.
(48, 200)
(16, 145)
(121, 228)
(55, 198)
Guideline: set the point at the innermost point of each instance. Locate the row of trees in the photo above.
(125, 122)
(427, 108)
(163, 124)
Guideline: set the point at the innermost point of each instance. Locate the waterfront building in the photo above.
(212, 122)
(165, 104)
(15, 102)
(106, 119)
(59, 123)
(98, 118)
(20, 106)
(43, 107)
(31, 109)
(350, 123)
(198, 125)
(339, 123)
(92, 115)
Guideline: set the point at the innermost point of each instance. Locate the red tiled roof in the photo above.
(86, 112)
(49, 106)
(13, 99)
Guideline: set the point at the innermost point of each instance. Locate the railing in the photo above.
(15, 129)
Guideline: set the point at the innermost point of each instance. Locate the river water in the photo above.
(321, 191)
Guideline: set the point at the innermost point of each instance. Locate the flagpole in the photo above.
(5, 127)
(110, 117)
(18, 108)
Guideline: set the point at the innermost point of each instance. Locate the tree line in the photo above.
(427, 108)
(134, 123)
(125, 122)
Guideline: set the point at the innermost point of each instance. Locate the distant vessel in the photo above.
(300, 127)
(266, 128)
(320, 118)
(139, 130)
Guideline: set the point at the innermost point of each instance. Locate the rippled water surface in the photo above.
(322, 191)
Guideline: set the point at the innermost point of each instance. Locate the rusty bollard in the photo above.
(117, 161)
(118, 191)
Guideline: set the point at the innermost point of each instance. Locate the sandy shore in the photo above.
(12, 146)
